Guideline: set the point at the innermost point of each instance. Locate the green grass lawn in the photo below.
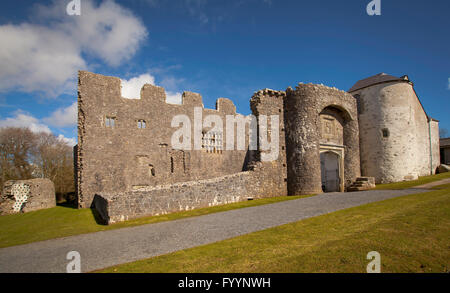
(65, 221)
(411, 233)
(409, 184)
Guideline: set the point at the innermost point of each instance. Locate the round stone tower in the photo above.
(320, 122)
(394, 129)
(302, 141)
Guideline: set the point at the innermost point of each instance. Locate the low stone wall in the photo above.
(21, 196)
(186, 196)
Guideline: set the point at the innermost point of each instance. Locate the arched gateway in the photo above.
(322, 139)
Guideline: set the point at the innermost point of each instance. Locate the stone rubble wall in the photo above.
(39, 194)
(164, 199)
(124, 157)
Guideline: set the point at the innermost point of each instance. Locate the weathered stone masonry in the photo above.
(27, 195)
(399, 141)
(115, 155)
(305, 136)
(159, 200)
(127, 168)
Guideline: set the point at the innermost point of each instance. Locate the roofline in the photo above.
(381, 82)
(441, 140)
(417, 96)
(401, 79)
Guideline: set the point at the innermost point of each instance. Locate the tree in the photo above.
(16, 147)
(443, 132)
(53, 159)
(25, 155)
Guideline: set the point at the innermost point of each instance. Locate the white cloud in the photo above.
(131, 89)
(109, 31)
(174, 98)
(45, 56)
(70, 141)
(22, 119)
(63, 117)
(37, 58)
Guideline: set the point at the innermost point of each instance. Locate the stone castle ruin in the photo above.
(22, 196)
(127, 166)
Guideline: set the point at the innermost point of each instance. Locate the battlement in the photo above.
(128, 142)
(130, 163)
(315, 87)
(107, 89)
(269, 92)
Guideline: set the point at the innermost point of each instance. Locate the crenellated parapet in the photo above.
(102, 89)
(126, 144)
(266, 97)
(225, 106)
(191, 99)
(268, 106)
(153, 93)
(145, 156)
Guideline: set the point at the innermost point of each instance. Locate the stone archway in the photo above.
(319, 119)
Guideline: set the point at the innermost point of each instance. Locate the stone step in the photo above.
(359, 183)
(366, 179)
(350, 189)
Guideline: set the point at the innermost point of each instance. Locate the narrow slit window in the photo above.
(152, 170)
(141, 124)
(110, 122)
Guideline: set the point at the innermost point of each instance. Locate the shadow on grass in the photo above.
(73, 205)
(98, 219)
(69, 205)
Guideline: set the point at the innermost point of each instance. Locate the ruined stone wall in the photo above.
(115, 155)
(134, 171)
(22, 196)
(394, 133)
(303, 107)
(164, 199)
(271, 103)
(263, 178)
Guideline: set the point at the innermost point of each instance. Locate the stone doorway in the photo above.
(330, 167)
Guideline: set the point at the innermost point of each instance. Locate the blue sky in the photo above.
(217, 48)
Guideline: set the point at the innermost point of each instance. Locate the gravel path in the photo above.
(433, 184)
(107, 248)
